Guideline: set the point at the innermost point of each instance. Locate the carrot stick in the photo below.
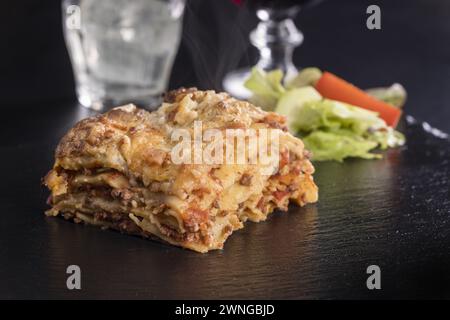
(333, 87)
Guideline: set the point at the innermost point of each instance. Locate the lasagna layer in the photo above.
(116, 171)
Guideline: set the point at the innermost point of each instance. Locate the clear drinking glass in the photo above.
(122, 50)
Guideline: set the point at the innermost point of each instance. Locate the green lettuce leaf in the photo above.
(329, 114)
(339, 145)
(266, 87)
(305, 77)
(395, 95)
(333, 130)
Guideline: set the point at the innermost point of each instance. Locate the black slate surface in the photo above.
(394, 213)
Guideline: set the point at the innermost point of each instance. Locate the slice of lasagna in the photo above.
(117, 170)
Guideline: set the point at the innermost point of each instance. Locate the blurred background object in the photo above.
(412, 48)
(275, 37)
(122, 50)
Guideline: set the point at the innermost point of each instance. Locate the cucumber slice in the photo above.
(292, 100)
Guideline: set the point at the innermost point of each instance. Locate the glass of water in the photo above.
(122, 50)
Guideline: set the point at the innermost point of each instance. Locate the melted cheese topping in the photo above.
(127, 151)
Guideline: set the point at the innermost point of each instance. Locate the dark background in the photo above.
(412, 48)
(393, 212)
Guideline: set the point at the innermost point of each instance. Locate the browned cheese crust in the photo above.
(115, 170)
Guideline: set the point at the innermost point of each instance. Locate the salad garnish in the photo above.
(331, 129)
